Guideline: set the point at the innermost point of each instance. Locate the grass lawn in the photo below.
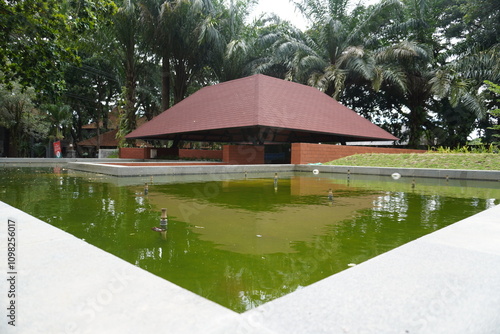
(470, 161)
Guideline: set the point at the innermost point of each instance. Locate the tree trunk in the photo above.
(13, 150)
(165, 83)
(15, 139)
(130, 98)
(181, 78)
(416, 122)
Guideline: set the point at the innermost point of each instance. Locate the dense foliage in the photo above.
(415, 67)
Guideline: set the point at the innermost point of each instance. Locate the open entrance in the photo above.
(278, 154)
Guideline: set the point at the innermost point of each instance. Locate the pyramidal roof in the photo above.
(260, 109)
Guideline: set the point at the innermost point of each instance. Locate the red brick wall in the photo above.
(243, 154)
(145, 153)
(314, 153)
(133, 153)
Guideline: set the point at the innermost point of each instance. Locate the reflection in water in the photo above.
(251, 221)
(240, 243)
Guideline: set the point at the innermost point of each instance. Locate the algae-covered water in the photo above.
(241, 241)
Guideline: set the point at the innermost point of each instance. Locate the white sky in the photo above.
(283, 8)
(286, 10)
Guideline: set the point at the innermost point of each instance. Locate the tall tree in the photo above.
(336, 52)
(60, 120)
(126, 32)
(195, 41)
(415, 63)
(442, 77)
(36, 38)
(412, 54)
(184, 35)
(239, 39)
(495, 91)
(20, 117)
(157, 32)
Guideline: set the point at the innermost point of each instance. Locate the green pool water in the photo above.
(242, 242)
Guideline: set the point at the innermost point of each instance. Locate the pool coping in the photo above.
(100, 166)
(124, 171)
(446, 281)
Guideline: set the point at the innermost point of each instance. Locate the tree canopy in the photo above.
(415, 67)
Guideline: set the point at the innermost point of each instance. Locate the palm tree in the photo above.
(196, 42)
(335, 52)
(464, 83)
(157, 32)
(185, 35)
(239, 39)
(125, 28)
(254, 49)
(416, 70)
(60, 118)
(425, 80)
(279, 45)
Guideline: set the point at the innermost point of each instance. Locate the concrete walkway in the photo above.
(445, 282)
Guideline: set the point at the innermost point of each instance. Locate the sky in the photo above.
(286, 10)
(283, 8)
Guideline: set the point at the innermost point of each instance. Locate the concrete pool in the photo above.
(449, 285)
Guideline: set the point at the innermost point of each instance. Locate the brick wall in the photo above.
(145, 153)
(314, 153)
(133, 153)
(243, 154)
(249, 154)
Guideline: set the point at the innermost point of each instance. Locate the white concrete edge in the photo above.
(446, 281)
(360, 170)
(99, 166)
(125, 171)
(463, 174)
(65, 285)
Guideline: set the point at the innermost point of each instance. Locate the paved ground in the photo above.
(445, 282)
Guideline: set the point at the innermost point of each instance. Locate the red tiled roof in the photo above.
(107, 139)
(260, 109)
(113, 122)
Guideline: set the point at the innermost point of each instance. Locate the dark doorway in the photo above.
(278, 154)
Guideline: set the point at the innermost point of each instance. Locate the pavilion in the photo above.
(260, 110)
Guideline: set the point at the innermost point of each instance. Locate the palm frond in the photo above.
(375, 10)
(396, 77)
(236, 48)
(403, 51)
(458, 89)
(480, 65)
(403, 28)
(473, 103)
(441, 82)
(318, 81)
(311, 63)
